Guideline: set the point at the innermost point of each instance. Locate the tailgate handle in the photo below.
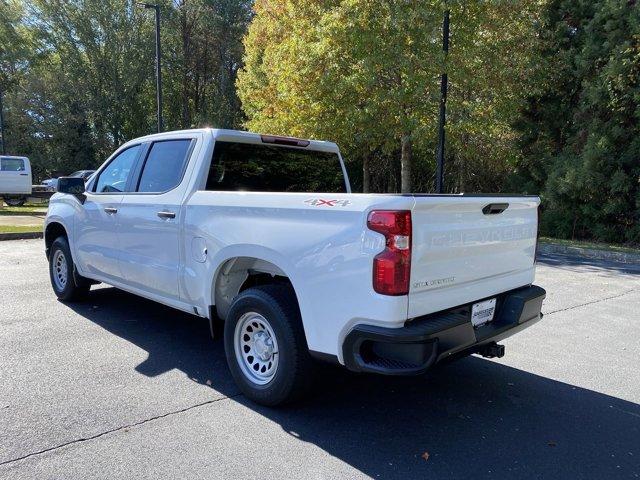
(495, 208)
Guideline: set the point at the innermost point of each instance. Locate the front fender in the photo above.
(62, 210)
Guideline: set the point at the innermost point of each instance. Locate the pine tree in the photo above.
(580, 132)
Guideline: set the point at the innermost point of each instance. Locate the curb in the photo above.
(621, 257)
(20, 236)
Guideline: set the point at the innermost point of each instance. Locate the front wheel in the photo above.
(66, 283)
(265, 345)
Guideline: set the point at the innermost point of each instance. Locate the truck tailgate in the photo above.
(467, 248)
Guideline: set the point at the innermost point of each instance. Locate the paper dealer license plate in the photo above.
(482, 312)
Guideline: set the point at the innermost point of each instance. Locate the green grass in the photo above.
(595, 245)
(25, 210)
(20, 228)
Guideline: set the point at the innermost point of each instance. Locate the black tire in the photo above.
(295, 367)
(75, 287)
(15, 201)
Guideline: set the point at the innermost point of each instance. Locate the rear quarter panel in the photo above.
(326, 251)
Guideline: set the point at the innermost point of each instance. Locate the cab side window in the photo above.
(113, 179)
(164, 166)
(12, 165)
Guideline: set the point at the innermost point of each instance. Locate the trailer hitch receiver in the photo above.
(492, 350)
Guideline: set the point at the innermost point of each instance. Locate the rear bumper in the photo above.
(425, 341)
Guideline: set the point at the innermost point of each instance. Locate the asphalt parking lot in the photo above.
(119, 387)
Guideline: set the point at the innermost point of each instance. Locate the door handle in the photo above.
(166, 215)
(110, 210)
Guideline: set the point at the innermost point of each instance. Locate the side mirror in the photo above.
(71, 185)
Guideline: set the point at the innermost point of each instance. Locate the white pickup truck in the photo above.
(15, 180)
(263, 233)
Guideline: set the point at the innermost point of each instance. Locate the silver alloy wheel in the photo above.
(256, 348)
(59, 263)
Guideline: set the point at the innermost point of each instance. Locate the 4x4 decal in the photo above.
(321, 202)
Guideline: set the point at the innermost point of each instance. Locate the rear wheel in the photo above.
(15, 201)
(265, 345)
(66, 283)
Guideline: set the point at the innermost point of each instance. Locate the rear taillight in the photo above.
(392, 267)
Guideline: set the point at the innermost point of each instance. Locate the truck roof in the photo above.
(240, 136)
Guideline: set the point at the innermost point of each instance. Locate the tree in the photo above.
(580, 130)
(362, 68)
(81, 74)
(490, 68)
(365, 73)
(15, 49)
(205, 52)
(16, 46)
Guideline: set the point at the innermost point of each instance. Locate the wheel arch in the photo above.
(237, 273)
(53, 230)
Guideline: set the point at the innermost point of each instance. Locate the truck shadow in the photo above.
(474, 418)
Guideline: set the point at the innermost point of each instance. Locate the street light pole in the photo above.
(443, 107)
(156, 7)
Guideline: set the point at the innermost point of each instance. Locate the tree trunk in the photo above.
(391, 182)
(405, 164)
(366, 175)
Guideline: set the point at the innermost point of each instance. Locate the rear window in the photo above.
(12, 165)
(267, 168)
